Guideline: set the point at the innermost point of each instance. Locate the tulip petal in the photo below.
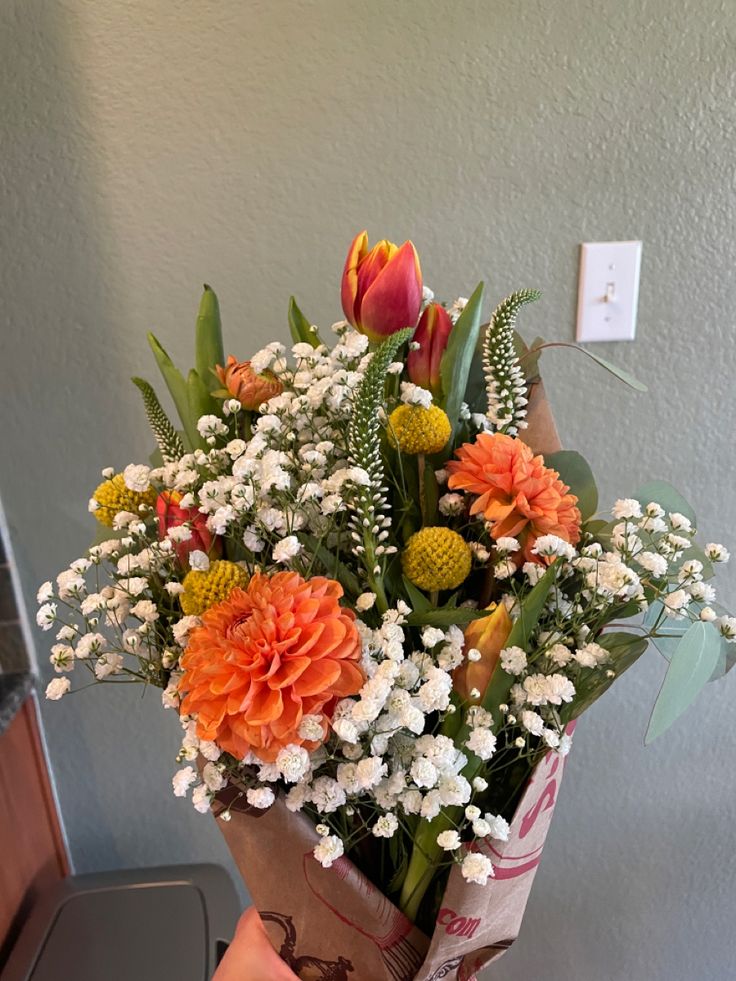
(349, 286)
(393, 299)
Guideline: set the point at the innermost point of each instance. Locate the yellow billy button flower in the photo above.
(113, 496)
(414, 429)
(436, 558)
(203, 590)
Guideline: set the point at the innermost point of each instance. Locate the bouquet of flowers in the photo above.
(378, 595)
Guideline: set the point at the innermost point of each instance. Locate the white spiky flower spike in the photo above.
(505, 380)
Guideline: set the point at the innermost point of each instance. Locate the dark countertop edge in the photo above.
(14, 689)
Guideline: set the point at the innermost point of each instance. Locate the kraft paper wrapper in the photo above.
(335, 925)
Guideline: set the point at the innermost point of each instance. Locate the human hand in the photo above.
(250, 956)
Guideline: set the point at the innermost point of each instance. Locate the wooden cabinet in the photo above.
(32, 853)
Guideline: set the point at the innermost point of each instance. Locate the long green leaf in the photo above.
(689, 670)
(417, 600)
(300, 327)
(576, 473)
(201, 403)
(177, 387)
(444, 617)
(209, 351)
(458, 356)
(666, 496)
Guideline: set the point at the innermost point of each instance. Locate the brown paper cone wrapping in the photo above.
(335, 925)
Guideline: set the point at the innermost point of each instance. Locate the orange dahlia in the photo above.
(271, 653)
(517, 494)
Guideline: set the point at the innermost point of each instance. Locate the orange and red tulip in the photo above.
(381, 287)
(488, 636)
(432, 335)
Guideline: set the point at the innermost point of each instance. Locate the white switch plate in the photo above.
(608, 293)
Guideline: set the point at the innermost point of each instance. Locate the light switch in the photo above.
(608, 293)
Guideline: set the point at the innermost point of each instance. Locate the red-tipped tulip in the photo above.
(381, 288)
(171, 515)
(432, 335)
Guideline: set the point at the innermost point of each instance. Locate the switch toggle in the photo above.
(608, 293)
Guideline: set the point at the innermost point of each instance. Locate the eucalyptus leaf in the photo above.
(458, 357)
(690, 668)
(668, 497)
(576, 473)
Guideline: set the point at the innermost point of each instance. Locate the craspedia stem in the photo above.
(505, 381)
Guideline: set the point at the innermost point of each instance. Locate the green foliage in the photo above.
(177, 387)
(692, 665)
(666, 496)
(626, 377)
(209, 351)
(301, 329)
(167, 438)
(625, 649)
(576, 473)
(444, 616)
(458, 357)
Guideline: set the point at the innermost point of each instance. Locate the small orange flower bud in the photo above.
(250, 389)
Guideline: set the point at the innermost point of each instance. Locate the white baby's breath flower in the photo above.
(137, 477)
(451, 504)
(45, 593)
(717, 553)
(201, 798)
(57, 688)
(209, 427)
(415, 395)
(590, 655)
(108, 664)
(46, 616)
(183, 780)
(213, 778)
(449, 840)
(385, 826)
(476, 868)
(329, 849)
(293, 762)
(626, 508)
(365, 602)
(198, 560)
(285, 550)
(513, 660)
(260, 797)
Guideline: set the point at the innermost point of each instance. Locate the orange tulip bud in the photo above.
(432, 335)
(250, 389)
(487, 635)
(381, 288)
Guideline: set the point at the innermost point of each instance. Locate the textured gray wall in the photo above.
(147, 148)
